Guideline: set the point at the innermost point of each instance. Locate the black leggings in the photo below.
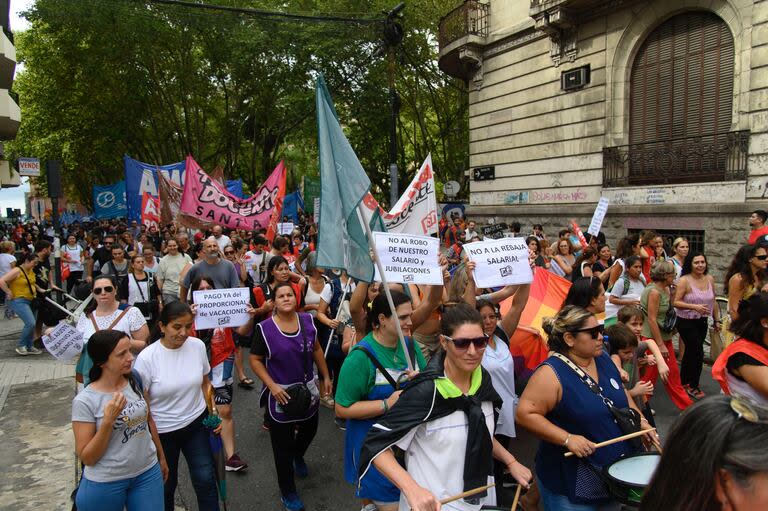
(290, 441)
(692, 333)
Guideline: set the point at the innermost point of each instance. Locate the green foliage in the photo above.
(107, 78)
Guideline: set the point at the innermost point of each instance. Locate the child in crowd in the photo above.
(628, 352)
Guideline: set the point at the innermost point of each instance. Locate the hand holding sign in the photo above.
(501, 262)
(409, 259)
(64, 342)
(221, 308)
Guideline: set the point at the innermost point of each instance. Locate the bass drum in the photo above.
(628, 477)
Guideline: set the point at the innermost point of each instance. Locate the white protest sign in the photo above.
(408, 258)
(598, 216)
(221, 308)
(500, 262)
(64, 342)
(316, 206)
(285, 228)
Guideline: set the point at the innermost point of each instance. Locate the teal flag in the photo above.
(342, 242)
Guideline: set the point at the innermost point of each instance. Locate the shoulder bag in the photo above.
(301, 397)
(627, 418)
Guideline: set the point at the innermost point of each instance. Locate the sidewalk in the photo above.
(36, 442)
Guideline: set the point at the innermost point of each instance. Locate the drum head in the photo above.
(635, 470)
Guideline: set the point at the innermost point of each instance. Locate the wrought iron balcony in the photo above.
(469, 18)
(713, 157)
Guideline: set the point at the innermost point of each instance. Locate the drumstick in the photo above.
(656, 444)
(467, 493)
(617, 439)
(517, 497)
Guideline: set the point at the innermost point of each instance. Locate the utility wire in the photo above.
(271, 14)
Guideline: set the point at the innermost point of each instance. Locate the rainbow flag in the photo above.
(548, 292)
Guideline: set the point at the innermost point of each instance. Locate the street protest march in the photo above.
(422, 356)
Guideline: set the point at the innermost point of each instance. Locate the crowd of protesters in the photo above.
(449, 397)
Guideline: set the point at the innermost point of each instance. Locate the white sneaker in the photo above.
(22, 350)
(34, 351)
(369, 507)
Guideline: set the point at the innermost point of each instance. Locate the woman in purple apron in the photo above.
(282, 354)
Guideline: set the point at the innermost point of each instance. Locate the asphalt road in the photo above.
(325, 489)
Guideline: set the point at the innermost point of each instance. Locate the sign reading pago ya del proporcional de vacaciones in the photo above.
(29, 167)
(501, 262)
(408, 258)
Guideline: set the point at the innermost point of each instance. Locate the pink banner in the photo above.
(208, 200)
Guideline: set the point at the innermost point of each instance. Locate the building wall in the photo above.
(546, 144)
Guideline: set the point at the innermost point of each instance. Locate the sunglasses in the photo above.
(462, 344)
(762, 257)
(595, 331)
(105, 289)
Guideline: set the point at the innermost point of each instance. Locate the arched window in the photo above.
(681, 99)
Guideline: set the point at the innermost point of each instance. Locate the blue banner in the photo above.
(109, 201)
(235, 187)
(142, 177)
(291, 205)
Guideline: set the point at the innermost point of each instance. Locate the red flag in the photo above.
(577, 232)
(528, 348)
(150, 210)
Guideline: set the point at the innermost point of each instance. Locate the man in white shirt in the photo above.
(470, 231)
(256, 260)
(222, 240)
(169, 270)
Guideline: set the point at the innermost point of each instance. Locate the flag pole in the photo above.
(338, 313)
(377, 262)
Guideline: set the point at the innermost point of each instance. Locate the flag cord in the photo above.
(384, 284)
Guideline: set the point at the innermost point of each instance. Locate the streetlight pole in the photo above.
(393, 36)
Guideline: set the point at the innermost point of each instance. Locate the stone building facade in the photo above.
(659, 105)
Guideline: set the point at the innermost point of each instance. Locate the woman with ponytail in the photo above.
(175, 375)
(115, 436)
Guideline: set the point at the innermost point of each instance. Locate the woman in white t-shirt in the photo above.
(174, 371)
(109, 314)
(626, 290)
(445, 425)
(115, 436)
(73, 255)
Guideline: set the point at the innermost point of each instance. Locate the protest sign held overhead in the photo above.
(495, 231)
(598, 217)
(221, 308)
(408, 258)
(208, 200)
(501, 262)
(64, 342)
(285, 228)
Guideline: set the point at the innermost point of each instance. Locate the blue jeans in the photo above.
(23, 308)
(141, 493)
(192, 440)
(556, 502)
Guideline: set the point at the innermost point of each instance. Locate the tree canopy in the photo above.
(158, 82)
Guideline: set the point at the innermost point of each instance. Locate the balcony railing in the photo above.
(470, 18)
(714, 157)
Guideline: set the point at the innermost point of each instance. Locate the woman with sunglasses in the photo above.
(284, 350)
(109, 314)
(742, 368)
(745, 276)
(371, 380)
(655, 301)
(445, 423)
(558, 407)
(725, 436)
(234, 253)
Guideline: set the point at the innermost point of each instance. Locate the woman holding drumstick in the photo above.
(567, 415)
